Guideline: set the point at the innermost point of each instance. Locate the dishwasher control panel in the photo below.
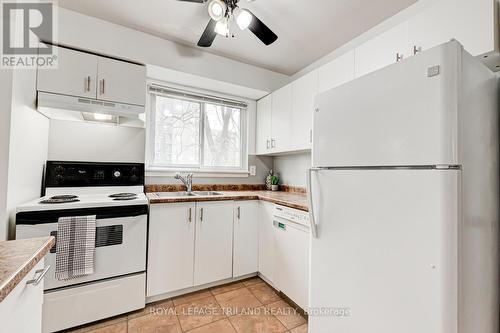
(291, 214)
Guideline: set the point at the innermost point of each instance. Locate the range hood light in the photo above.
(102, 117)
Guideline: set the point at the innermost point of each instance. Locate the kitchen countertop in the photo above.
(288, 199)
(17, 259)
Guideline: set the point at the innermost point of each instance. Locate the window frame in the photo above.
(169, 170)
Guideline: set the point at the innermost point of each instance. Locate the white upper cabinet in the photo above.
(281, 119)
(121, 81)
(383, 50)
(337, 72)
(170, 248)
(87, 75)
(304, 91)
(246, 238)
(214, 242)
(264, 118)
(471, 22)
(76, 75)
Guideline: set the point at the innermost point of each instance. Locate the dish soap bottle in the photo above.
(269, 182)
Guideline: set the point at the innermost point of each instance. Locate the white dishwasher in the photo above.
(291, 228)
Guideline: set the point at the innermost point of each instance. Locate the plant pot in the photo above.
(274, 187)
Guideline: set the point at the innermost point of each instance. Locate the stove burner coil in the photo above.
(123, 195)
(59, 201)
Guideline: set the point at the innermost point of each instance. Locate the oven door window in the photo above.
(104, 236)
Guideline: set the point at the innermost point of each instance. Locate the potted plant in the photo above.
(275, 180)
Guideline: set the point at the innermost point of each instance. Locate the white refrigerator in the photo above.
(404, 199)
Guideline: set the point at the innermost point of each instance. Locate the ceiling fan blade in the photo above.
(209, 34)
(259, 29)
(197, 1)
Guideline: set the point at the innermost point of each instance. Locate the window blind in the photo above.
(176, 93)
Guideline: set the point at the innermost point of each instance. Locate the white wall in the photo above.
(79, 141)
(85, 32)
(28, 142)
(292, 168)
(5, 106)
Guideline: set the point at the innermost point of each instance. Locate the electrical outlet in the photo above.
(253, 170)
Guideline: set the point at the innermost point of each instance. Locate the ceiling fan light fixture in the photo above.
(243, 18)
(222, 27)
(217, 9)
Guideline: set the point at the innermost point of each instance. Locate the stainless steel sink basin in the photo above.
(187, 194)
(207, 193)
(174, 194)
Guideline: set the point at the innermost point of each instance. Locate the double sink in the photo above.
(187, 194)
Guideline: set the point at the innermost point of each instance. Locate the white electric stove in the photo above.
(75, 198)
(114, 193)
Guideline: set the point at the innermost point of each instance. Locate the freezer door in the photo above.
(385, 259)
(404, 114)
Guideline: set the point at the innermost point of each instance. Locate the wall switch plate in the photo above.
(253, 170)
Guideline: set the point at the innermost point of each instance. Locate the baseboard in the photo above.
(176, 293)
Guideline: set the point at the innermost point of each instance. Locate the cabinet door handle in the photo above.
(102, 84)
(273, 143)
(399, 57)
(416, 49)
(268, 144)
(201, 214)
(190, 215)
(87, 84)
(310, 136)
(238, 213)
(40, 277)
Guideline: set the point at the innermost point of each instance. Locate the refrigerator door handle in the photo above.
(314, 226)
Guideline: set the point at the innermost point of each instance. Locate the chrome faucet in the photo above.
(186, 180)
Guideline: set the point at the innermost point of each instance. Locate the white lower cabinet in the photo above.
(190, 244)
(21, 310)
(193, 244)
(246, 238)
(292, 261)
(171, 247)
(266, 242)
(213, 258)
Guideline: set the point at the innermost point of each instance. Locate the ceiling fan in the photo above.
(222, 12)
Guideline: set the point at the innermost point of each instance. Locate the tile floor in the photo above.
(249, 306)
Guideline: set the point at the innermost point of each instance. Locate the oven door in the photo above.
(120, 241)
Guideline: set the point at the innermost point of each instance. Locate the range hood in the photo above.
(63, 107)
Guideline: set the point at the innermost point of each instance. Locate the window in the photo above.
(195, 132)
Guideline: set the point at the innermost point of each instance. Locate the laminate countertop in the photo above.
(287, 199)
(17, 259)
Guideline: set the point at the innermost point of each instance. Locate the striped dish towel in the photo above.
(75, 247)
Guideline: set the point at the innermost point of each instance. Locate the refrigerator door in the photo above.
(385, 257)
(404, 114)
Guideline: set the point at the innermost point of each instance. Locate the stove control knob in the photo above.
(117, 174)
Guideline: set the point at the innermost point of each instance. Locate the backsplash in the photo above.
(292, 168)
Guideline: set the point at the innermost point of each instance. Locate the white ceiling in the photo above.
(307, 29)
